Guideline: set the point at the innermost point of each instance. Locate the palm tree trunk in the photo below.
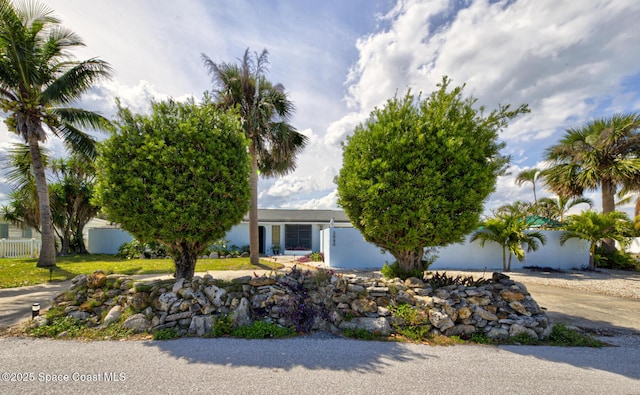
(254, 241)
(608, 206)
(592, 253)
(504, 259)
(47, 256)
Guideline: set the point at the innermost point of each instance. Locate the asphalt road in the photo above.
(319, 364)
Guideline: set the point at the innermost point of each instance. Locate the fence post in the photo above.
(32, 249)
(1, 248)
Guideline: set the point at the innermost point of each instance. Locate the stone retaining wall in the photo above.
(308, 301)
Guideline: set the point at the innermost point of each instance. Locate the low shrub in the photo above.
(615, 260)
(563, 336)
(410, 322)
(136, 249)
(222, 326)
(165, 334)
(57, 326)
(394, 270)
(262, 330)
(480, 338)
(438, 280)
(359, 333)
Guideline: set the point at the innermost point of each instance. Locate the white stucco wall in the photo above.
(345, 248)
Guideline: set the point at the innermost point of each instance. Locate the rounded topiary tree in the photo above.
(416, 174)
(179, 176)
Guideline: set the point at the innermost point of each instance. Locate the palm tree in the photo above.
(529, 175)
(265, 110)
(39, 79)
(512, 234)
(556, 208)
(602, 154)
(595, 227)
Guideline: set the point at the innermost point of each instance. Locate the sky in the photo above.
(570, 61)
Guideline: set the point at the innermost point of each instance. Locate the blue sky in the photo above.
(570, 61)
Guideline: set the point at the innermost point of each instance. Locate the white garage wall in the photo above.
(345, 248)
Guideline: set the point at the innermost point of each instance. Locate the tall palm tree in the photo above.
(529, 175)
(513, 236)
(601, 154)
(595, 227)
(265, 110)
(556, 208)
(39, 80)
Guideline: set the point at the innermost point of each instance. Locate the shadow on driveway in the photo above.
(310, 352)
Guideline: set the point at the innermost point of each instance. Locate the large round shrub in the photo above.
(179, 176)
(416, 174)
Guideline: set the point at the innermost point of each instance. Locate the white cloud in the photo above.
(327, 202)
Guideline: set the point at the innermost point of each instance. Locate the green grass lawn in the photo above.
(21, 272)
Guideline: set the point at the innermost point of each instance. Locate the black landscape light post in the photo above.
(35, 310)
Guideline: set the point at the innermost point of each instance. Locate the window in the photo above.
(27, 233)
(4, 231)
(297, 237)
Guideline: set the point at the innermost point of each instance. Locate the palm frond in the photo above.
(75, 81)
(76, 140)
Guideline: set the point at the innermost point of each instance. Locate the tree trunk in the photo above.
(509, 262)
(504, 258)
(410, 262)
(47, 256)
(254, 240)
(592, 253)
(608, 205)
(185, 257)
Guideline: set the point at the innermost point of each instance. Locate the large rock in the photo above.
(113, 315)
(139, 301)
(241, 316)
(498, 334)
(79, 315)
(177, 285)
(363, 306)
(440, 320)
(519, 307)
(460, 330)
(262, 281)
(511, 296)
(96, 279)
(78, 281)
(516, 330)
(464, 312)
(485, 315)
(378, 325)
(138, 322)
(166, 300)
(201, 325)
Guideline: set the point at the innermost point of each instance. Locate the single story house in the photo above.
(288, 232)
(11, 231)
(292, 232)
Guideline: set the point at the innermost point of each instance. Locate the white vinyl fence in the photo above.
(19, 248)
